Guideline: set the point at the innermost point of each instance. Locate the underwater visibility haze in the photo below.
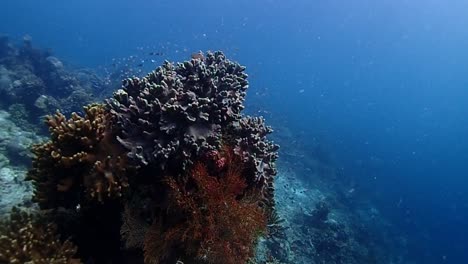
(234, 131)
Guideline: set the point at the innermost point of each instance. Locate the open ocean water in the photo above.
(367, 99)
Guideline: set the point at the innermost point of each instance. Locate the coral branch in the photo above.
(80, 154)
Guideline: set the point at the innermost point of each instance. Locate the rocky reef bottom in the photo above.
(14, 163)
(320, 228)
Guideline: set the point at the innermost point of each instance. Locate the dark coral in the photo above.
(178, 111)
(27, 238)
(80, 160)
(257, 152)
(319, 215)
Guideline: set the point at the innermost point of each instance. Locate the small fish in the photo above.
(156, 53)
(301, 91)
(199, 55)
(140, 65)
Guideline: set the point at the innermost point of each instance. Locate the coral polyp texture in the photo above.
(25, 239)
(178, 111)
(173, 155)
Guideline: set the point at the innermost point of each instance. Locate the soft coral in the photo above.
(219, 219)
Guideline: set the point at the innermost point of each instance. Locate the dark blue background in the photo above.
(385, 83)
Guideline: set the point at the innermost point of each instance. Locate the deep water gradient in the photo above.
(384, 83)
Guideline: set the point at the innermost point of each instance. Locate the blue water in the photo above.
(383, 83)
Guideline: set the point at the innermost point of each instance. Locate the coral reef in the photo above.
(26, 238)
(41, 83)
(171, 154)
(168, 170)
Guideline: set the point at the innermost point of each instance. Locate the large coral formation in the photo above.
(172, 154)
(178, 111)
(25, 238)
(80, 160)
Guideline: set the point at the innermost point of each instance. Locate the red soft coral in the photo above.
(218, 218)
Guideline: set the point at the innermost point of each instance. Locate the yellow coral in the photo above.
(81, 157)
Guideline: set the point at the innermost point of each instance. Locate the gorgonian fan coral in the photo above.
(214, 215)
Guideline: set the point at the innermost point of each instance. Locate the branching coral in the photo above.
(177, 112)
(80, 159)
(214, 217)
(24, 238)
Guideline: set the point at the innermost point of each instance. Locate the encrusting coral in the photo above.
(24, 238)
(191, 177)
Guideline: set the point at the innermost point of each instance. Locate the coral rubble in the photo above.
(172, 154)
